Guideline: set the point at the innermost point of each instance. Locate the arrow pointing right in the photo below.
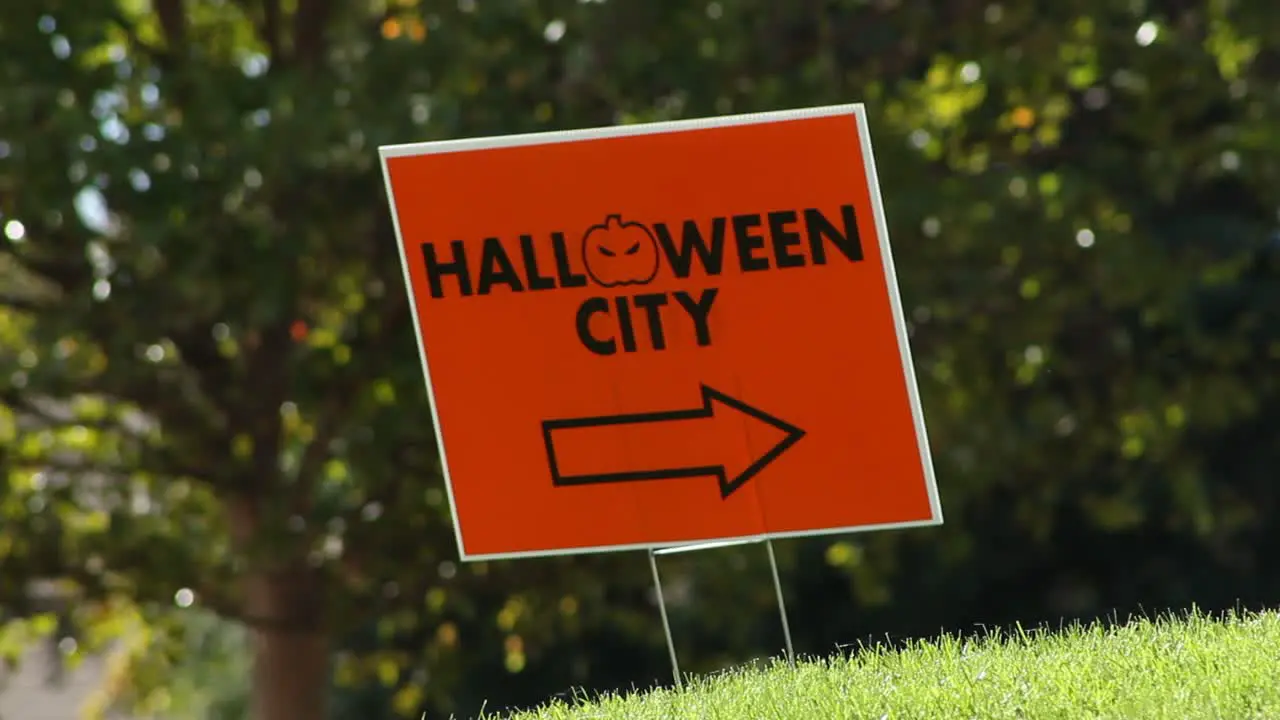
(665, 432)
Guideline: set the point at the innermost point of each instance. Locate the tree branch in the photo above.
(152, 397)
(173, 22)
(394, 313)
(259, 411)
(271, 28)
(199, 352)
(21, 304)
(309, 25)
(313, 458)
(163, 466)
(212, 595)
(60, 267)
(28, 404)
(268, 26)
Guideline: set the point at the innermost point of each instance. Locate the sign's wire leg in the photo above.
(666, 624)
(782, 603)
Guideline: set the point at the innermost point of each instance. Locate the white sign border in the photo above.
(858, 111)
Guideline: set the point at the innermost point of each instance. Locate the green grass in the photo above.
(1177, 668)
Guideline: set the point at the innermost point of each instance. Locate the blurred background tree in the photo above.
(212, 402)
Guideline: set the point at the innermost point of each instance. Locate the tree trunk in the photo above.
(291, 647)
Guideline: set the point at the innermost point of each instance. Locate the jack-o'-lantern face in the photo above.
(620, 253)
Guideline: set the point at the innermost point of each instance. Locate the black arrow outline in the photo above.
(710, 396)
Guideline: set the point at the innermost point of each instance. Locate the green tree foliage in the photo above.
(211, 387)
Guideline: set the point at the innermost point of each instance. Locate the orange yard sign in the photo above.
(654, 335)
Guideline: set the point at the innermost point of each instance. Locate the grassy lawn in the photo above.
(1186, 668)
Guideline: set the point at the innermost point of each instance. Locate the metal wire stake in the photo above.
(666, 624)
(782, 603)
